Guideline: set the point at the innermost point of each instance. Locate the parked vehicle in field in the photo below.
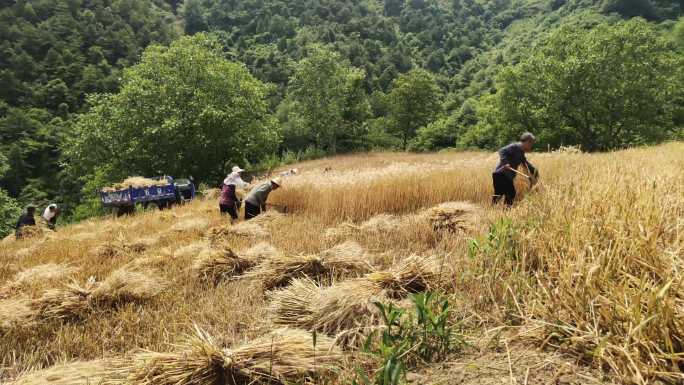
(167, 192)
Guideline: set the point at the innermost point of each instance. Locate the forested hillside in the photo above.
(285, 80)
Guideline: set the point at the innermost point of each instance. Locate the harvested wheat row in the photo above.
(215, 266)
(73, 373)
(344, 310)
(74, 301)
(348, 249)
(283, 356)
(280, 270)
(454, 217)
(38, 274)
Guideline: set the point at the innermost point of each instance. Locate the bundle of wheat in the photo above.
(284, 356)
(261, 251)
(136, 182)
(344, 310)
(37, 274)
(33, 231)
(348, 249)
(191, 250)
(108, 250)
(15, 312)
(454, 217)
(243, 229)
(215, 266)
(24, 252)
(342, 231)
(411, 275)
(191, 224)
(74, 301)
(280, 270)
(267, 217)
(73, 373)
(381, 223)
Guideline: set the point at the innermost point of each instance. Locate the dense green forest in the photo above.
(94, 90)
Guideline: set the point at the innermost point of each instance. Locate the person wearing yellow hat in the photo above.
(255, 203)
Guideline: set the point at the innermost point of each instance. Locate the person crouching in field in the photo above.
(26, 219)
(255, 202)
(511, 157)
(228, 201)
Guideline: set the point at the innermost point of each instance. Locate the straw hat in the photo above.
(277, 181)
(237, 169)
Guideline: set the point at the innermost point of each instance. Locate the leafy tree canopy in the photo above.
(183, 110)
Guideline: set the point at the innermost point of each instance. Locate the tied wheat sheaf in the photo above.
(589, 267)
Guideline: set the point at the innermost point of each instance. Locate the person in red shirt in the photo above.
(228, 201)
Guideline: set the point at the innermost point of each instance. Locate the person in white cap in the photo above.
(50, 215)
(255, 202)
(228, 201)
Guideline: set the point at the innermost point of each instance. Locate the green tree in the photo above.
(414, 101)
(329, 97)
(609, 87)
(183, 110)
(9, 209)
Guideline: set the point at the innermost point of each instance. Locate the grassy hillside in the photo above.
(583, 274)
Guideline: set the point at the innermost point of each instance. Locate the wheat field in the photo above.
(583, 275)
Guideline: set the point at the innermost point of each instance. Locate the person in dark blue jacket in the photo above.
(511, 157)
(26, 219)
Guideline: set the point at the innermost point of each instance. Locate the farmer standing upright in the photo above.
(228, 201)
(511, 157)
(255, 202)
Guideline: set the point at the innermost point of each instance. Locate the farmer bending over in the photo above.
(50, 216)
(255, 202)
(511, 156)
(26, 219)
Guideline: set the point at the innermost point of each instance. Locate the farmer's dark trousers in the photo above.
(503, 187)
(251, 211)
(230, 209)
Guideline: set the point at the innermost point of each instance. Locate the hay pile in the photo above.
(136, 182)
(281, 269)
(344, 310)
(73, 373)
(454, 217)
(37, 274)
(242, 229)
(75, 301)
(191, 224)
(216, 266)
(261, 251)
(282, 357)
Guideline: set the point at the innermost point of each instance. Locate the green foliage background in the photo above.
(94, 90)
